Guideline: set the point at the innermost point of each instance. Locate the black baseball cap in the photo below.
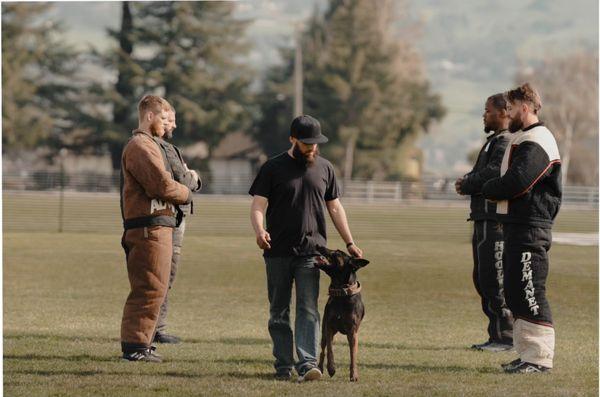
(307, 130)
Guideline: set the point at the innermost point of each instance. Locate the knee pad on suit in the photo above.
(534, 342)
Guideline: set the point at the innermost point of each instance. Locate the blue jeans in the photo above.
(281, 273)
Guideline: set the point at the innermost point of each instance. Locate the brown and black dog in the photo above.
(344, 310)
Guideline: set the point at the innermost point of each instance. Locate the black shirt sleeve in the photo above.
(333, 190)
(262, 183)
(475, 180)
(529, 164)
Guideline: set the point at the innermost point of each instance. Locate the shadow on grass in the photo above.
(96, 339)
(92, 359)
(248, 375)
(232, 360)
(240, 374)
(430, 368)
(40, 357)
(100, 339)
(85, 373)
(170, 374)
(244, 360)
(399, 346)
(240, 341)
(340, 339)
(231, 341)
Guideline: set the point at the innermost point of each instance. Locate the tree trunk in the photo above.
(121, 107)
(566, 155)
(349, 158)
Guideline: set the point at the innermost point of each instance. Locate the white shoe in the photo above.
(310, 375)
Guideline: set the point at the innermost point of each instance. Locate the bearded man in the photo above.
(294, 188)
(528, 192)
(488, 243)
(148, 198)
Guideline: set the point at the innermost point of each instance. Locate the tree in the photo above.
(194, 52)
(124, 94)
(365, 85)
(40, 88)
(568, 86)
(275, 101)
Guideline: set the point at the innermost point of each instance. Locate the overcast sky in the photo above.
(273, 23)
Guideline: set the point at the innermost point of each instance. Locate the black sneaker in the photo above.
(511, 364)
(283, 375)
(526, 368)
(496, 347)
(160, 337)
(145, 355)
(481, 345)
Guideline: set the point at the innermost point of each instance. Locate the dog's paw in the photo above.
(354, 378)
(331, 371)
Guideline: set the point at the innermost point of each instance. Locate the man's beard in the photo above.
(168, 134)
(156, 126)
(515, 125)
(303, 159)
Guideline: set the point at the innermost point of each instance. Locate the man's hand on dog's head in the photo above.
(263, 240)
(355, 251)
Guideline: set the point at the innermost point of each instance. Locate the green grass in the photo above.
(64, 294)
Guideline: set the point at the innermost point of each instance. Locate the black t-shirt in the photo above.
(296, 210)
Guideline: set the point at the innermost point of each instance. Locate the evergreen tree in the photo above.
(127, 90)
(275, 101)
(194, 52)
(40, 88)
(365, 86)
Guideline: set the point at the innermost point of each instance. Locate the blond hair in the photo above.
(154, 104)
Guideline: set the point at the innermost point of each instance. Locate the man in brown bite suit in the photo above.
(148, 197)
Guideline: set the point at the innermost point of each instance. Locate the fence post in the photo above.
(398, 192)
(370, 191)
(61, 198)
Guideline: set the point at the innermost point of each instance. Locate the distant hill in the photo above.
(473, 48)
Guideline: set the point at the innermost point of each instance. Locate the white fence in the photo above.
(428, 189)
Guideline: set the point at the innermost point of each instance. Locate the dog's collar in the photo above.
(345, 291)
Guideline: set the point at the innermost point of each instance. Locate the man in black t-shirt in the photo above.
(294, 188)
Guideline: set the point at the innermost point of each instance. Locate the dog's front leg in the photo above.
(323, 344)
(353, 344)
(330, 361)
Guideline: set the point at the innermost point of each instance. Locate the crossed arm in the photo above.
(472, 182)
(530, 163)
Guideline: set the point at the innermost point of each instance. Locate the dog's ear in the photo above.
(322, 250)
(321, 263)
(357, 263)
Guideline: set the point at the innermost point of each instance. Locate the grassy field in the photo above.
(64, 293)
